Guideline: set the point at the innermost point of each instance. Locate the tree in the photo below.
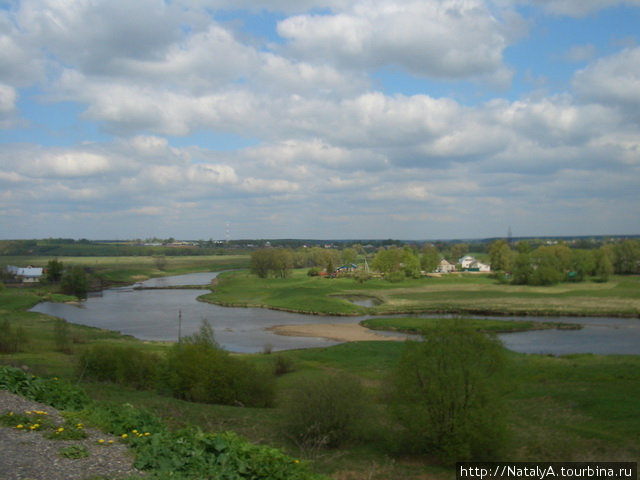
(74, 282)
(387, 260)
(430, 258)
(54, 269)
(410, 263)
(446, 395)
(500, 256)
(459, 250)
(603, 267)
(276, 262)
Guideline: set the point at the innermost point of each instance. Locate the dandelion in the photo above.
(124, 435)
(110, 441)
(146, 434)
(60, 430)
(80, 426)
(19, 426)
(28, 412)
(296, 461)
(134, 431)
(101, 440)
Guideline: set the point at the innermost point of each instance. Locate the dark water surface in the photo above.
(154, 315)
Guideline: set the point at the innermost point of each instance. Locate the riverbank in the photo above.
(339, 332)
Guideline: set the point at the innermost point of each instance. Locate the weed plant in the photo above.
(56, 392)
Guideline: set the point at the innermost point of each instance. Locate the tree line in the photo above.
(550, 264)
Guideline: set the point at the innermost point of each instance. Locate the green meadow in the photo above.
(559, 408)
(455, 293)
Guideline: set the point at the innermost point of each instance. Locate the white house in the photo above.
(445, 267)
(26, 274)
(471, 264)
(466, 261)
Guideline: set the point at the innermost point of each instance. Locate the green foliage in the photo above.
(500, 256)
(12, 339)
(395, 277)
(324, 410)
(198, 370)
(191, 453)
(74, 282)
(51, 391)
(446, 395)
(314, 271)
(74, 452)
(125, 365)
(387, 260)
(430, 258)
(276, 262)
(54, 270)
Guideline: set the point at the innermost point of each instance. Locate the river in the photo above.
(163, 314)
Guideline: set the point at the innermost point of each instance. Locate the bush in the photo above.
(198, 370)
(324, 411)
(51, 391)
(446, 395)
(394, 277)
(119, 364)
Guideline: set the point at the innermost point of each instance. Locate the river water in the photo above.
(164, 314)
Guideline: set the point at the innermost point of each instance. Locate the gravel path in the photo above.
(28, 455)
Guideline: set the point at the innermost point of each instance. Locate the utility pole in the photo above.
(179, 326)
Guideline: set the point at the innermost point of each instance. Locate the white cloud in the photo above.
(614, 79)
(443, 38)
(579, 8)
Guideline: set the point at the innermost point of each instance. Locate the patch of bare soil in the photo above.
(29, 455)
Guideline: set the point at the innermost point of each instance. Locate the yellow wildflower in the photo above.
(20, 426)
(134, 431)
(110, 441)
(146, 434)
(124, 435)
(101, 440)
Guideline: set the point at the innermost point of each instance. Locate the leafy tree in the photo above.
(459, 250)
(547, 266)
(446, 395)
(349, 255)
(602, 265)
(267, 262)
(74, 281)
(582, 264)
(500, 256)
(410, 263)
(430, 258)
(197, 369)
(522, 269)
(54, 269)
(387, 260)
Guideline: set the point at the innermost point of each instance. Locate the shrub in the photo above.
(119, 364)
(446, 395)
(62, 337)
(324, 411)
(394, 277)
(51, 391)
(198, 370)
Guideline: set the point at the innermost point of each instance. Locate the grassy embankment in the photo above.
(577, 407)
(464, 294)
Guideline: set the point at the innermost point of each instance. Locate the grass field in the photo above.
(451, 294)
(574, 407)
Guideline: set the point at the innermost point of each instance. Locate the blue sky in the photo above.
(319, 118)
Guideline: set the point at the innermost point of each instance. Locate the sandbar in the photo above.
(340, 332)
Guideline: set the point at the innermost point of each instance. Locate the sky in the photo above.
(327, 119)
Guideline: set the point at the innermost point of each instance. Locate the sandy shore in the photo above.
(340, 332)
